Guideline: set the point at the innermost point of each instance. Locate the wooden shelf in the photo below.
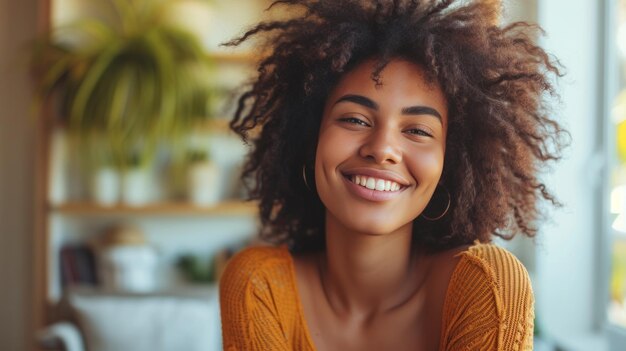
(215, 124)
(230, 208)
(234, 57)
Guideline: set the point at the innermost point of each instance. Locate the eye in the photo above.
(354, 120)
(419, 132)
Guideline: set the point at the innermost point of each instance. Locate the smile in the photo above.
(369, 191)
(374, 183)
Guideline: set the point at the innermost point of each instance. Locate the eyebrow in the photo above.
(369, 103)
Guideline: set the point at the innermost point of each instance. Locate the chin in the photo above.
(371, 226)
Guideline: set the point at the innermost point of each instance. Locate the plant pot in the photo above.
(203, 186)
(129, 268)
(106, 186)
(136, 187)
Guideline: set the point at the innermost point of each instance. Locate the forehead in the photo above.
(401, 83)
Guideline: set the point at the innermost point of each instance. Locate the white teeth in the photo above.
(380, 185)
(375, 184)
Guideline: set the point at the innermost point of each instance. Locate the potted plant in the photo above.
(203, 179)
(137, 182)
(196, 269)
(133, 83)
(105, 187)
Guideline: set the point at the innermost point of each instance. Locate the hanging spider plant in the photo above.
(131, 84)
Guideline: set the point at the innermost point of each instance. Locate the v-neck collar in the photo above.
(300, 308)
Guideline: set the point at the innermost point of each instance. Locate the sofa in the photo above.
(109, 321)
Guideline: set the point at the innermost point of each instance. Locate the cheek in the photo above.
(426, 167)
(325, 157)
(331, 150)
(333, 147)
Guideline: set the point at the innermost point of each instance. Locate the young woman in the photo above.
(396, 139)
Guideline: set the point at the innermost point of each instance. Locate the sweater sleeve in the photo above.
(489, 304)
(251, 319)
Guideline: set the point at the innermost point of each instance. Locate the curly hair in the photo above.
(498, 87)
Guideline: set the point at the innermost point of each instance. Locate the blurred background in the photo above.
(117, 214)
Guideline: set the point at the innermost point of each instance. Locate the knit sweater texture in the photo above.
(488, 304)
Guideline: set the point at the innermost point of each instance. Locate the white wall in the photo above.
(520, 10)
(566, 253)
(17, 25)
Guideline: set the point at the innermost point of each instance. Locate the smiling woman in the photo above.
(397, 138)
(391, 132)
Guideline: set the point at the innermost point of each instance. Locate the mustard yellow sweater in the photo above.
(488, 306)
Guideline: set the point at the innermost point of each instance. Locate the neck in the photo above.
(366, 274)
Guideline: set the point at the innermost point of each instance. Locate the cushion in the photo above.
(155, 322)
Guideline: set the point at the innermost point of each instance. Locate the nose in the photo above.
(382, 146)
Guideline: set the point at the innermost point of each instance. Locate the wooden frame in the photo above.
(40, 312)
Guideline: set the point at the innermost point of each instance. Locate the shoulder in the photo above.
(253, 281)
(494, 272)
(256, 264)
(258, 257)
(495, 266)
(257, 299)
(490, 287)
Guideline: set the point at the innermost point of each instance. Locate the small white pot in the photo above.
(129, 268)
(203, 186)
(106, 186)
(136, 187)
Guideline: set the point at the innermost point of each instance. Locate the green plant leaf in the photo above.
(136, 85)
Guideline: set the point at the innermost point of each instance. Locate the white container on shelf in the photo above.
(106, 186)
(127, 262)
(137, 187)
(204, 184)
(130, 268)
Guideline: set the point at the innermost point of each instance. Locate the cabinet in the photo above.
(65, 214)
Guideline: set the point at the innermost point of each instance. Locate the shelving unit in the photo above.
(196, 227)
(224, 208)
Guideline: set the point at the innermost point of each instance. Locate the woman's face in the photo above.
(389, 139)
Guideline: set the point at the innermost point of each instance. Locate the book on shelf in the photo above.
(78, 266)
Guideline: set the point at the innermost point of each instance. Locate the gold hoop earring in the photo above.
(444, 212)
(304, 177)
